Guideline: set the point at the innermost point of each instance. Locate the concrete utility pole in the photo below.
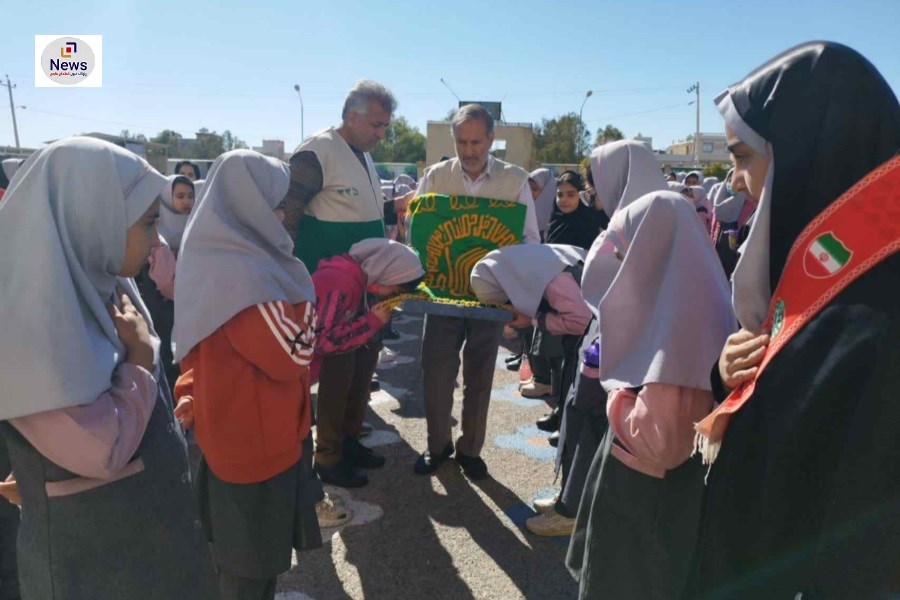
(586, 96)
(12, 108)
(696, 88)
(297, 89)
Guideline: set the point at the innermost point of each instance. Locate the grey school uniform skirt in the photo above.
(253, 527)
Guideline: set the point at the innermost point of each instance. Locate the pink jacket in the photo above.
(97, 439)
(656, 425)
(344, 324)
(162, 270)
(572, 315)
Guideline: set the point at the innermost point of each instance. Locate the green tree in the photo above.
(719, 170)
(608, 134)
(402, 143)
(172, 140)
(563, 139)
(231, 141)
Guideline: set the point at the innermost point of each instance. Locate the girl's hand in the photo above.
(741, 356)
(133, 331)
(382, 310)
(520, 321)
(9, 489)
(184, 412)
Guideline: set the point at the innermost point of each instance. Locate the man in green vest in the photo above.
(334, 201)
(474, 172)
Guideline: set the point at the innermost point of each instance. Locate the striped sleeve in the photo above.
(276, 337)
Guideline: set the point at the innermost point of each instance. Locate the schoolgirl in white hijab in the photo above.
(623, 171)
(662, 322)
(82, 388)
(544, 181)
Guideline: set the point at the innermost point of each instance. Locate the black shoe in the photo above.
(554, 439)
(514, 364)
(360, 456)
(428, 463)
(472, 466)
(374, 386)
(550, 422)
(513, 358)
(390, 334)
(343, 475)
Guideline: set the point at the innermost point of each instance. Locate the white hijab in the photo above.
(10, 166)
(751, 291)
(235, 252)
(386, 262)
(666, 315)
(624, 171)
(727, 209)
(709, 182)
(546, 200)
(521, 273)
(171, 224)
(63, 227)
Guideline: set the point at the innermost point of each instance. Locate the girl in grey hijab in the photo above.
(543, 190)
(90, 430)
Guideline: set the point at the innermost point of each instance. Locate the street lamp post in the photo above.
(302, 133)
(586, 96)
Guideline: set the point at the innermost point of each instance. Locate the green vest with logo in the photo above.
(350, 207)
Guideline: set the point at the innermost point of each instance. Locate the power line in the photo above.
(642, 112)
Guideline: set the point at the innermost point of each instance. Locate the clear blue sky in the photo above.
(232, 64)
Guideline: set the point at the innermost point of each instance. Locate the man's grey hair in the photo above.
(471, 112)
(365, 92)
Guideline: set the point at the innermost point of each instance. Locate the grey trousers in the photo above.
(442, 340)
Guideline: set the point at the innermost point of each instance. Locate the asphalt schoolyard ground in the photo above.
(441, 536)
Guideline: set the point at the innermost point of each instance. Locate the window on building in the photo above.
(708, 147)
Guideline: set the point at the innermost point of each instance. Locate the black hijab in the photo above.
(830, 117)
(804, 497)
(578, 228)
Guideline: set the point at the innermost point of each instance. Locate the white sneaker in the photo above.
(331, 513)
(386, 356)
(545, 505)
(550, 524)
(533, 389)
(526, 382)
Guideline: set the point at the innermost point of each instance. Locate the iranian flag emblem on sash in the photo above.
(825, 256)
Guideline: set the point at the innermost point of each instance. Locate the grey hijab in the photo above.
(386, 262)
(727, 208)
(63, 227)
(171, 224)
(521, 273)
(624, 171)
(546, 200)
(10, 166)
(666, 315)
(709, 182)
(235, 252)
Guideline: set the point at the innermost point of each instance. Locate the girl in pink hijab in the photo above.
(662, 321)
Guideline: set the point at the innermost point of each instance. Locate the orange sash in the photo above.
(852, 235)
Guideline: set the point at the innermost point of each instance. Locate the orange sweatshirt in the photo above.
(250, 384)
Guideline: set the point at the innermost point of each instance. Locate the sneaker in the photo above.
(525, 382)
(550, 421)
(361, 456)
(344, 474)
(550, 524)
(535, 390)
(545, 505)
(374, 386)
(472, 466)
(513, 365)
(553, 440)
(331, 513)
(428, 463)
(386, 356)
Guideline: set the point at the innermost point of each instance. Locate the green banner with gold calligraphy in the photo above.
(452, 233)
